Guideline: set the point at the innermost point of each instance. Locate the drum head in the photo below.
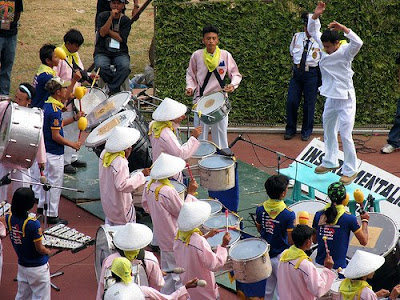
(248, 249)
(217, 239)
(104, 246)
(210, 103)
(216, 162)
(383, 236)
(179, 187)
(92, 98)
(107, 108)
(336, 285)
(219, 221)
(216, 206)
(310, 206)
(205, 149)
(391, 210)
(100, 134)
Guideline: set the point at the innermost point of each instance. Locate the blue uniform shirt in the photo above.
(274, 231)
(52, 120)
(23, 235)
(338, 236)
(41, 95)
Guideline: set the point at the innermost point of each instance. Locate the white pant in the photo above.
(272, 282)
(339, 116)
(54, 172)
(71, 133)
(172, 281)
(33, 283)
(21, 174)
(35, 174)
(219, 131)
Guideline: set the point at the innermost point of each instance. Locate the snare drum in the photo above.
(218, 221)
(104, 246)
(216, 240)
(205, 149)
(107, 108)
(180, 188)
(310, 206)
(213, 108)
(216, 206)
(334, 293)
(217, 173)
(383, 240)
(20, 134)
(93, 97)
(250, 259)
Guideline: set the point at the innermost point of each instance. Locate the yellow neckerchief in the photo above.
(294, 253)
(131, 255)
(212, 60)
(70, 56)
(351, 288)
(23, 225)
(340, 211)
(341, 42)
(46, 69)
(156, 127)
(55, 102)
(274, 207)
(109, 157)
(185, 236)
(163, 182)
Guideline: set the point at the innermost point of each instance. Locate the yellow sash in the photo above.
(55, 102)
(70, 56)
(351, 288)
(274, 207)
(212, 60)
(46, 69)
(163, 182)
(294, 253)
(109, 157)
(156, 127)
(131, 255)
(185, 236)
(340, 211)
(341, 42)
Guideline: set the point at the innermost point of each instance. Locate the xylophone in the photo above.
(61, 236)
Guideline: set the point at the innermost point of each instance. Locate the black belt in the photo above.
(297, 66)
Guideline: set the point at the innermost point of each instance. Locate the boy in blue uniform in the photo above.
(26, 238)
(275, 223)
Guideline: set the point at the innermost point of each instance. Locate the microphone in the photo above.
(176, 270)
(238, 138)
(201, 283)
(43, 178)
(188, 111)
(5, 179)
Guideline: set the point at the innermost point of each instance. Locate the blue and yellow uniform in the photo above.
(43, 75)
(52, 109)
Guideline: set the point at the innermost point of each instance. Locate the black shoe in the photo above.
(305, 138)
(79, 164)
(288, 136)
(69, 169)
(39, 211)
(56, 220)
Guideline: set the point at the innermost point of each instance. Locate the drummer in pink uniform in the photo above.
(205, 75)
(298, 277)
(115, 182)
(130, 242)
(163, 131)
(193, 252)
(162, 201)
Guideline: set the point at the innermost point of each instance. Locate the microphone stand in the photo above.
(279, 155)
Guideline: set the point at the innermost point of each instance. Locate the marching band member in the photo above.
(130, 242)
(193, 252)
(162, 131)
(125, 289)
(205, 74)
(297, 275)
(335, 224)
(26, 237)
(162, 201)
(23, 97)
(115, 182)
(275, 222)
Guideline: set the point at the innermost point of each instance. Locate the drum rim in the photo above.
(214, 201)
(179, 184)
(303, 201)
(221, 215)
(216, 169)
(216, 109)
(250, 258)
(208, 154)
(234, 241)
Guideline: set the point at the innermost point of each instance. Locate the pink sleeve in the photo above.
(190, 198)
(213, 261)
(318, 284)
(233, 71)
(154, 274)
(41, 153)
(368, 294)
(3, 232)
(173, 203)
(179, 294)
(191, 81)
(144, 199)
(174, 148)
(122, 180)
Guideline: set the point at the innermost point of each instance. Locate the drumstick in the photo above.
(190, 172)
(95, 78)
(227, 220)
(326, 244)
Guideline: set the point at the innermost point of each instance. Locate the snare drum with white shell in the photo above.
(218, 221)
(205, 149)
(334, 293)
(310, 206)
(217, 173)
(216, 240)
(93, 97)
(216, 206)
(213, 108)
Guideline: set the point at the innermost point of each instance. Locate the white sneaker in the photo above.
(388, 149)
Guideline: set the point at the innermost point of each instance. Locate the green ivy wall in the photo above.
(258, 34)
